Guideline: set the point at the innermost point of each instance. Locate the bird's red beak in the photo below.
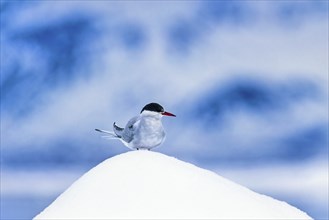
(168, 114)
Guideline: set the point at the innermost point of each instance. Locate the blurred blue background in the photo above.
(248, 81)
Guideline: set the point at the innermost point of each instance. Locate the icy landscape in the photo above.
(248, 81)
(148, 185)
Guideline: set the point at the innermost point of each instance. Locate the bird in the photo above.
(142, 132)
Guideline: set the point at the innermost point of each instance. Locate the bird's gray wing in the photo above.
(129, 131)
(117, 130)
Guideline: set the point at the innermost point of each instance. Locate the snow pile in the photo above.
(149, 185)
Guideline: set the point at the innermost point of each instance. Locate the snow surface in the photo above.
(150, 185)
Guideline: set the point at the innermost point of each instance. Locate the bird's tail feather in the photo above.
(110, 135)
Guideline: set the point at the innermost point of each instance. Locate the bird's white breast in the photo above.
(149, 133)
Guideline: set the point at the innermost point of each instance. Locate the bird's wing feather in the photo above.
(132, 123)
(130, 129)
(117, 130)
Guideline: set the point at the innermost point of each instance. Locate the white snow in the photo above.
(149, 185)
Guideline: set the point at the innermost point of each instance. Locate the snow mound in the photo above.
(150, 185)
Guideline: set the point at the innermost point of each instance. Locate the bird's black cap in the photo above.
(154, 107)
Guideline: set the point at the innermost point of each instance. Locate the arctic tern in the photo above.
(144, 131)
